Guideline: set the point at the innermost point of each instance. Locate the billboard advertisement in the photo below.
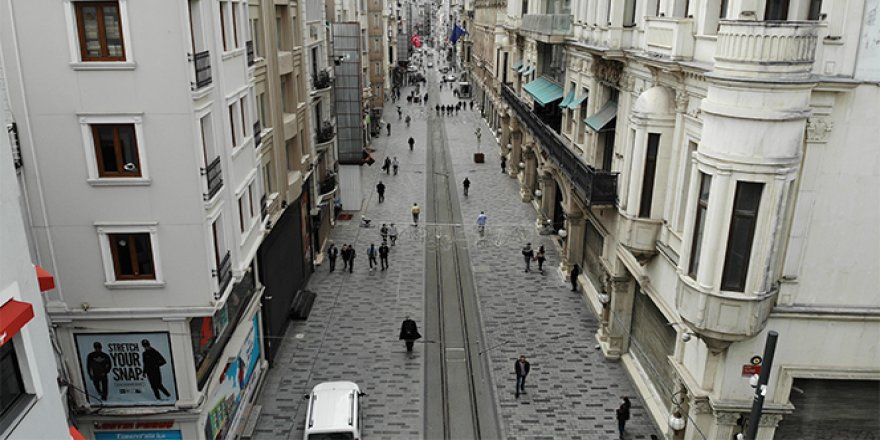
(232, 385)
(127, 369)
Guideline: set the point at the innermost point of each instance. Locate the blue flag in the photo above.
(457, 32)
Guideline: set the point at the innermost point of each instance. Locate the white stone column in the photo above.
(515, 152)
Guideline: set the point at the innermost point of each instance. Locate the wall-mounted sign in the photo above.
(233, 383)
(139, 435)
(127, 369)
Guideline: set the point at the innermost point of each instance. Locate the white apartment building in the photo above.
(31, 404)
(711, 167)
(137, 127)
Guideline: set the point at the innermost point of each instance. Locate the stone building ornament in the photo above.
(727, 418)
(682, 99)
(819, 129)
(607, 70)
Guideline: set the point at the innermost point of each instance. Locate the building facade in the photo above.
(157, 161)
(692, 158)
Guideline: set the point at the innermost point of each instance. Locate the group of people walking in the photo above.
(449, 109)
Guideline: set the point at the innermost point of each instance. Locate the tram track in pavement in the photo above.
(459, 399)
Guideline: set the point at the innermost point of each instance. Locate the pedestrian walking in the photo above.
(384, 231)
(467, 185)
(575, 271)
(540, 257)
(380, 189)
(437, 108)
(409, 333)
(407, 120)
(409, 99)
(395, 164)
(411, 142)
(521, 367)
(503, 163)
(399, 113)
(481, 222)
(386, 166)
(371, 255)
(415, 213)
(622, 414)
(383, 255)
(392, 234)
(351, 255)
(388, 127)
(426, 98)
(346, 256)
(528, 255)
(332, 252)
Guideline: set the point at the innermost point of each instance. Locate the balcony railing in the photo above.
(321, 80)
(258, 133)
(547, 25)
(325, 134)
(745, 48)
(202, 65)
(327, 185)
(223, 274)
(597, 187)
(215, 178)
(249, 45)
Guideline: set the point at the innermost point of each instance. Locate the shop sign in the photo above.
(139, 435)
(753, 367)
(127, 369)
(232, 385)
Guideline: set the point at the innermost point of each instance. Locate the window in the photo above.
(116, 150)
(242, 108)
(257, 37)
(776, 10)
(250, 194)
(815, 11)
(232, 124)
(685, 182)
(132, 256)
(525, 7)
(100, 31)
(223, 7)
(269, 176)
(235, 41)
(699, 224)
(291, 148)
(742, 234)
(241, 210)
(648, 177)
(11, 384)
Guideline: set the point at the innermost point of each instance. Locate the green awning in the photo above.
(568, 98)
(575, 103)
(516, 66)
(543, 90)
(600, 119)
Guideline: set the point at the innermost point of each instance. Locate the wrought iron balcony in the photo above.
(202, 65)
(327, 185)
(249, 45)
(597, 187)
(321, 80)
(258, 133)
(326, 133)
(223, 274)
(214, 177)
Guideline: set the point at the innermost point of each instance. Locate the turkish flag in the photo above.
(416, 41)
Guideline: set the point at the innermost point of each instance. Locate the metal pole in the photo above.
(761, 389)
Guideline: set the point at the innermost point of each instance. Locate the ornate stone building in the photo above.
(706, 165)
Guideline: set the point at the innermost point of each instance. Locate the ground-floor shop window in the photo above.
(11, 384)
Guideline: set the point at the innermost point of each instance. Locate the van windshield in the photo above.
(332, 436)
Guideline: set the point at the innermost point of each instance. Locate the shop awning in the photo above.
(543, 90)
(600, 119)
(528, 70)
(47, 282)
(576, 103)
(516, 66)
(568, 98)
(13, 316)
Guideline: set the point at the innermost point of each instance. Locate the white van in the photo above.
(334, 412)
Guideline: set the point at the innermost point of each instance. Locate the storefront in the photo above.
(652, 341)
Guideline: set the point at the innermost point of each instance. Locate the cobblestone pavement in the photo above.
(351, 333)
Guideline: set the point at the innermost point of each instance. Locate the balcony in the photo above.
(324, 136)
(596, 187)
(327, 185)
(250, 52)
(547, 28)
(770, 49)
(202, 65)
(214, 177)
(321, 80)
(638, 235)
(223, 274)
(258, 133)
(722, 317)
(670, 37)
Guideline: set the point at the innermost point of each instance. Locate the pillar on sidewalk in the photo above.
(515, 152)
(619, 316)
(572, 251)
(531, 173)
(505, 131)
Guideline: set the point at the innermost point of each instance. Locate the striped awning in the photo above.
(543, 90)
(568, 98)
(575, 103)
(599, 120)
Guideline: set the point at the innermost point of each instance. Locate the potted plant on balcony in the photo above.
(321, 80)
(325, 133)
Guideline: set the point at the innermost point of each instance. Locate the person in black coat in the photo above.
(332, 253)
(409, 332)
(622, 414)
(521, 367)
(575, 271)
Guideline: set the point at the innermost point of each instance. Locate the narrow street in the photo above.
(352, 331)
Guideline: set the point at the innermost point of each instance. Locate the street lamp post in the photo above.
(761, 389)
